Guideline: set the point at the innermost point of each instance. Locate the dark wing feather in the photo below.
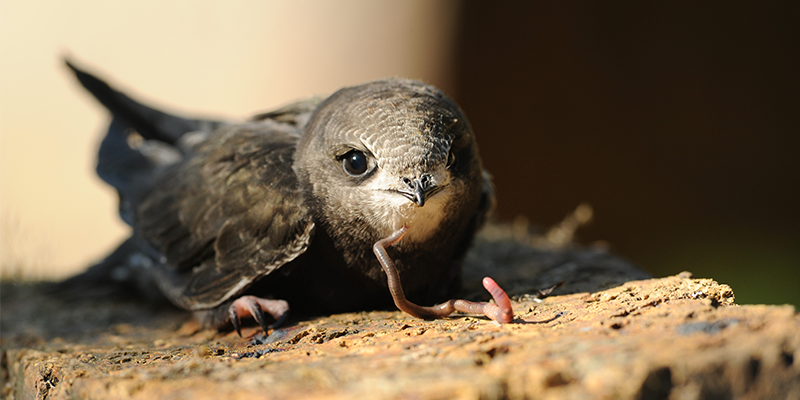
(149, 122)
(214, 207)
(164, 139)
(226, 216)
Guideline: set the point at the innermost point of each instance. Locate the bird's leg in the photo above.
(255, 306)
(500, 312)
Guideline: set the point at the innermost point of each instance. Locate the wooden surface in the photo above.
(607, 333)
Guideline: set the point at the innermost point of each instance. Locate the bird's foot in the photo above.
(255, 307)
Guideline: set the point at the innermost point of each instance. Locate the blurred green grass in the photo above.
(761, 267)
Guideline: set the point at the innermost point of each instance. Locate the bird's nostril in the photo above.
(425, 181)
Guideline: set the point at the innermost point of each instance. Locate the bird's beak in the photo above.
(420, 193)
(419, 190)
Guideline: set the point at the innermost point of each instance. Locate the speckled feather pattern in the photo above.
(409, 129)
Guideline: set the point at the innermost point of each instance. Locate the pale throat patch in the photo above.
(392, 210)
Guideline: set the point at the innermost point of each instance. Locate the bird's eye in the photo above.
(354, 163)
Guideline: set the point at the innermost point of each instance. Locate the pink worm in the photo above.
(500, 312)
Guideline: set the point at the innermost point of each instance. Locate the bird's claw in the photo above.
(234, 320)
(255, 306)
(258, 315)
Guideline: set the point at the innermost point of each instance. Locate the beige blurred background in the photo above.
(227, 59)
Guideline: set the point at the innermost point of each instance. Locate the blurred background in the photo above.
(678, 123)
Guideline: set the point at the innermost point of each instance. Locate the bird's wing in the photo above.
(227, 215)
(140, 140)
(215, 206)
(147, 121)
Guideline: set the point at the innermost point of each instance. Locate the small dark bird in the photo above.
(323, 204)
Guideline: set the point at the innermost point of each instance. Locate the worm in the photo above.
(500, 312)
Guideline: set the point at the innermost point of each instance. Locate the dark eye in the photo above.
(355, 163)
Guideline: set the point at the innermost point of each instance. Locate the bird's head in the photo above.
(390, 153)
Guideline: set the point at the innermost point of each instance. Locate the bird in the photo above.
(368, 197)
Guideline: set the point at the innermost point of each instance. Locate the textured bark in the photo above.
(604, 334)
